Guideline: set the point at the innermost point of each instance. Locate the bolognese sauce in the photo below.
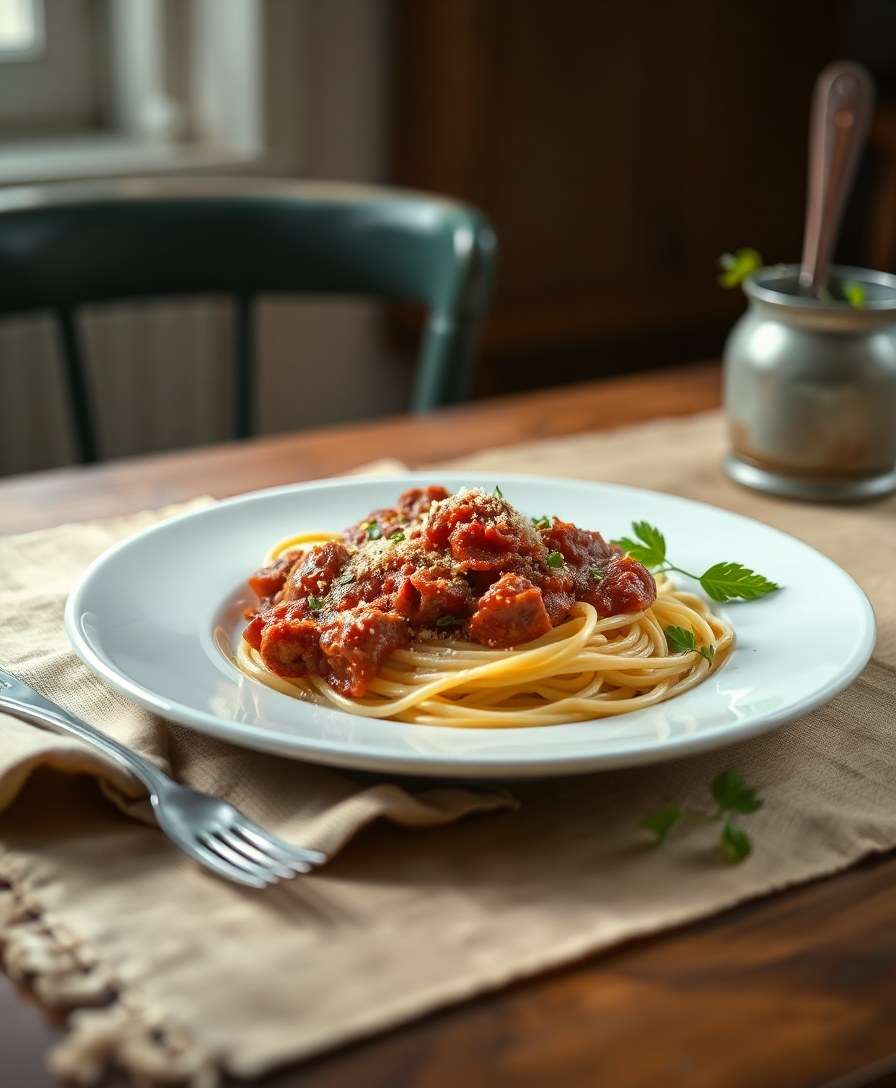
(467, 566)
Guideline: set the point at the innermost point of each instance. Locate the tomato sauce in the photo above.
(466, 566)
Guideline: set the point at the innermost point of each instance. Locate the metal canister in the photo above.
(810, 387)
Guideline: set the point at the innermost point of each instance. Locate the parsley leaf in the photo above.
(681, 640)
(734, 842)
(650, 546)
(544, 522)
(315, 603)
(346, 578)
(661, 821)
(397, 536)
(738, 266)
(448, 621)
(498, 492)
(555, 560)
(595, 574)
(374, 532)
(854, 293)
(732, 794)
(733, 581)
(732, 797)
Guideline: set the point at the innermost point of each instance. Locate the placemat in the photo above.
(421, 908)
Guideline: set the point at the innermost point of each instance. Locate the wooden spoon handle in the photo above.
(842, 105)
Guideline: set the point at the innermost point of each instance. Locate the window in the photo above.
(21, 29)
(92, 88)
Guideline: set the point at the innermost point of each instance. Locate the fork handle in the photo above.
(39, 710)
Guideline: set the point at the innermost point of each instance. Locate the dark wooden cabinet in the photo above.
(619, 149)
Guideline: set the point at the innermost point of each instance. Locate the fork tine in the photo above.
(217, 865)
(270, 844)
(287, 872)
(238, 861)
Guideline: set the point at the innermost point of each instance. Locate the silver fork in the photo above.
(210, 830)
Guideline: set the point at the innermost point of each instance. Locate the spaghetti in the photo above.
(589, 663)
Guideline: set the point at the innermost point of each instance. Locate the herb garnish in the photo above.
(722, 581)
(555, 559)
(596, 574)
(732, 796)
(315, 603)
(397, 536)
(448, 621)
(742, 263)
(738, 266)
(346, 578)
(374, 532)
(498, 492)
(854, 293)
(544, 522)
(660, 821)
(682, 641)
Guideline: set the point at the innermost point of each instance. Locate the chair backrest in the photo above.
(64, 246)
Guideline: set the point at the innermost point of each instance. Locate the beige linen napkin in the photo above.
(209, 977)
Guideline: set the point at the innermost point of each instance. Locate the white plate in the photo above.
(152, 614)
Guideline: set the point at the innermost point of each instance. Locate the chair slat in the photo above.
(77, 385)
(244, 370)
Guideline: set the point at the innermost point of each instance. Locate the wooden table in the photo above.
(794, 990)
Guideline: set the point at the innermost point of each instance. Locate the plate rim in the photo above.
(340, 754)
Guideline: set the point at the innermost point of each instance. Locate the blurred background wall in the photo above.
(618, 148)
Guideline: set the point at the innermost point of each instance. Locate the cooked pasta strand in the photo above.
(586, 668)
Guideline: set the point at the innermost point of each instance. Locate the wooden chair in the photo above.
(63, 246)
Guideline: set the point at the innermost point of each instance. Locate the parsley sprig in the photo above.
(732, 797)
(738, 266)
(682, 641)
(854, 293)
(722, 582)
(742, 263)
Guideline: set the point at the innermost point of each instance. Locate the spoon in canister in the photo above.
(842, 104)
